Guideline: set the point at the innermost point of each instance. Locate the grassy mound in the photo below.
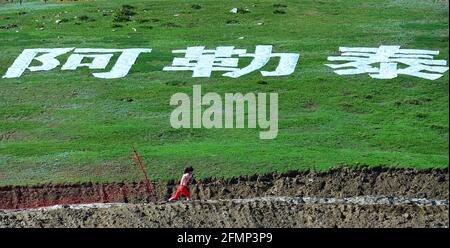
(68, 126)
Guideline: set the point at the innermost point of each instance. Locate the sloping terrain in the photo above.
(59, 127)
(351, 150)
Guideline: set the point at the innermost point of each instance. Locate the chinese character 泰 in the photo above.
(419, 63)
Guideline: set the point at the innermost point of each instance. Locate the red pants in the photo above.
(181, 190)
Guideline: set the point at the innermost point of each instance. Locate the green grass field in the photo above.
(68, 126)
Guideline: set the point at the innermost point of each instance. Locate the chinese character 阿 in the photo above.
(418, 63)
(100, 58)
(203, 61)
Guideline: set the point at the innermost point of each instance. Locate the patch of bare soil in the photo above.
(336, 198)
(257, 212)
(8, 27)
(345, 182)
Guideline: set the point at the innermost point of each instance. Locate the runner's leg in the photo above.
(177, 194)
(186, 194)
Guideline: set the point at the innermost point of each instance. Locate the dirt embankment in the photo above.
(334, 183)
(233, 213)
(337, 198)
(432, 184)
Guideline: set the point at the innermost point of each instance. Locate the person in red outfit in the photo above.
(182, 188)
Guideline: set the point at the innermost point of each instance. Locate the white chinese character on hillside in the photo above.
(203, 61)
(100, 59)
(391, 60)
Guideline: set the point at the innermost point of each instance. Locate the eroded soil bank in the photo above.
(345, 182)
(337, 198)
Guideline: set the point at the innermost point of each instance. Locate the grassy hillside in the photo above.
(68, 126)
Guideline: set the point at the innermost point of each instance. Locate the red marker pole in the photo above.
(148, 185)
